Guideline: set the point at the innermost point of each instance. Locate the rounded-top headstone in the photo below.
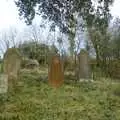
(56, 71)
(11, 63)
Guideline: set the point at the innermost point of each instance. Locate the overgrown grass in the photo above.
(36, 100)
(0, 67)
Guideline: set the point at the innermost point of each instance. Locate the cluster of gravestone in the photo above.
(12, 65)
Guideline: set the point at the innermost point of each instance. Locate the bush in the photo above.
(117, 90)
(29, 63)
(114, 69)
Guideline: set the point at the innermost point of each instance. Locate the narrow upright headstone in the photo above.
(11, 64)
(56, 73)
(84, 68)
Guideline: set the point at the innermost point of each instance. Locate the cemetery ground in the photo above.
(34, 99)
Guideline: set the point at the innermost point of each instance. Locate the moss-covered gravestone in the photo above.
(11, 64)
(56, 72)
(3, 83)
(84, 67)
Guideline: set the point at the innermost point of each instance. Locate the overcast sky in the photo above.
(9, 14)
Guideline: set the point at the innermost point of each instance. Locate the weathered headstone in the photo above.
(84, 68)
(56, 73)
(3, 83)
(11, 64)
(32, 64)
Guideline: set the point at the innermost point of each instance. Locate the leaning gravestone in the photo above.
(11, 64)
(84, 68)
(56, 74)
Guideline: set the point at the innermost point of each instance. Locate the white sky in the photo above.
(9, 14)
(115, 9)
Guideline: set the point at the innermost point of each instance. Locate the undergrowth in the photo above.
(34, 99)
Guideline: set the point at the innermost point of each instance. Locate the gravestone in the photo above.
(55, 73)
(32, 64)
(84, 67)
(3, 83)
(11, 64)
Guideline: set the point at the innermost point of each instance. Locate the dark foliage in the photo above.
(38, 51)
(63, 11)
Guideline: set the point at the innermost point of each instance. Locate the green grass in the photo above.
(36, 100)
(0, 68)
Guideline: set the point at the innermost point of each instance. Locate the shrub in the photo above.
(114, 69)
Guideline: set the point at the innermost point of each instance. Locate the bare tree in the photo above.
(8, 38)
(13, 36)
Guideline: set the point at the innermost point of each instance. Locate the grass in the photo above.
(34, 99)
(0, 67)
